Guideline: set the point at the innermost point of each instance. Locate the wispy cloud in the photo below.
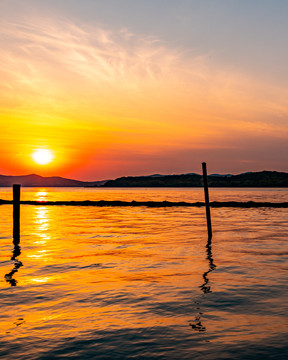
(49, 62)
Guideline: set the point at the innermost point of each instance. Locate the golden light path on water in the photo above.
(143, 281)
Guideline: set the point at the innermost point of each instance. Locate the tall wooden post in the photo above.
(206, 192)
(16, 212)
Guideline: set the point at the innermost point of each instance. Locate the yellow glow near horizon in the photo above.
(42, 156)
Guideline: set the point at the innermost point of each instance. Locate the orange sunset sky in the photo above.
(115, 88)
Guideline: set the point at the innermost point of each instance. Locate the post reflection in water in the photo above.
(17, 263)
(42, 221)
(205, 287)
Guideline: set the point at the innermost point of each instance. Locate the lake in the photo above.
(144, 283)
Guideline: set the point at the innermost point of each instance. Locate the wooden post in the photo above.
(206, 192)
(16, 212)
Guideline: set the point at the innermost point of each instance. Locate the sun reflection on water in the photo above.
(41, 280)
(41, 218)
(40, 254)
(41, 233)
(41, 195)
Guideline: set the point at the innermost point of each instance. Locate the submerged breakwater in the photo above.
(215, 204)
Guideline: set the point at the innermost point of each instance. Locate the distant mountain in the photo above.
(40, 181)
(155, 175)
(160, 181)
(159, 175)
(251, 179)
(228, 175)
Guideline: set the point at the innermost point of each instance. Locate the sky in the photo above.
(137, 87)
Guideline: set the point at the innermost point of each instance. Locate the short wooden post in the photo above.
(206, 192)
(16, 212)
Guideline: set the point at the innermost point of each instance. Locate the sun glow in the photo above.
(42, 156)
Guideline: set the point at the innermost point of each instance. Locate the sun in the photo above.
(42, 156)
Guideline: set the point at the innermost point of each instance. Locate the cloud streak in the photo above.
(58, 53)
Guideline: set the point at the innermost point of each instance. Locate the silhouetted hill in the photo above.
(40, 181)
(251, 179)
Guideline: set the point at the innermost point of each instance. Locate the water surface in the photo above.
(144, 283)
